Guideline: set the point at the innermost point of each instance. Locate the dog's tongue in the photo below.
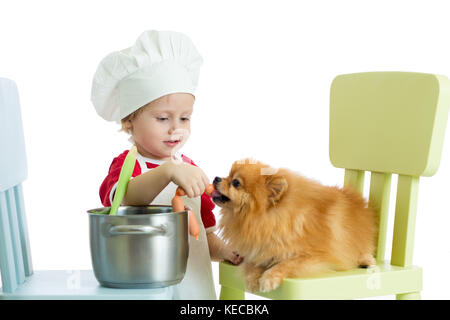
(215, 193)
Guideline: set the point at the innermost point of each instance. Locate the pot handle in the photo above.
(137, 230)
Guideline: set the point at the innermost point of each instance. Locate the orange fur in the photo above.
(286, 225)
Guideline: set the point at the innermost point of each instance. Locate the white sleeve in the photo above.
(113, 191)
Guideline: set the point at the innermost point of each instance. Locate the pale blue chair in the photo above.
(19, 281)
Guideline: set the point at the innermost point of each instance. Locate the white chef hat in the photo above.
(159, 63)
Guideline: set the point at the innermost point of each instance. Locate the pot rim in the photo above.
(135, 215)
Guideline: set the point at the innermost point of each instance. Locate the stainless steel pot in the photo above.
(140, 247)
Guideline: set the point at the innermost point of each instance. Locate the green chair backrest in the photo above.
(389, 123)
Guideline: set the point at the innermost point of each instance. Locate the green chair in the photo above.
(386, 123)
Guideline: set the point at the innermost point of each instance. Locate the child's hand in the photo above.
(220, 251)
(191, 178)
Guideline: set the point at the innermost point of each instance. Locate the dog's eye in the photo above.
(236, 183)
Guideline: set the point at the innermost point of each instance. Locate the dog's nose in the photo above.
(216, 180)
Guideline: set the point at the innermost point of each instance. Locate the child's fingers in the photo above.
(194, 191)
(206, 180)
(197, 190)
(186, 191)
(190, 191)
(201, 187)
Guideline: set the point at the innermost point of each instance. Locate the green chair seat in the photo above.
(380, 280)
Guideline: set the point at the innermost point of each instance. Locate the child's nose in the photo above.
(176, 125)
(173, 127)
(177, 133)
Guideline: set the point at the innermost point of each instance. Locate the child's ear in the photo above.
(128, 125)
(277, 186)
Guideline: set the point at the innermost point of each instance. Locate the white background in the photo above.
(263, 93)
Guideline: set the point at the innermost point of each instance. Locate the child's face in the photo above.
(160, 123)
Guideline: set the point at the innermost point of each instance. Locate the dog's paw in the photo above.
(252, 274)
(366, 261)
(269, 282)
(251, 284)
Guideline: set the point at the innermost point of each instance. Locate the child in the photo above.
(149, 88)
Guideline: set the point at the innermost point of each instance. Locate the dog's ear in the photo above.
(277, 186)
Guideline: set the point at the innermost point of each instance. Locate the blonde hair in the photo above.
(125, 121)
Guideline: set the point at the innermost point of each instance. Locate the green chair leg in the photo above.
(409, 296)
(227, 293)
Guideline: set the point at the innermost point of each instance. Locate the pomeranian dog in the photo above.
(286, 226)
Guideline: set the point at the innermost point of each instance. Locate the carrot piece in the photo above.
(209, 189)
(180, 192)
(177, 204)
(194, 229)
